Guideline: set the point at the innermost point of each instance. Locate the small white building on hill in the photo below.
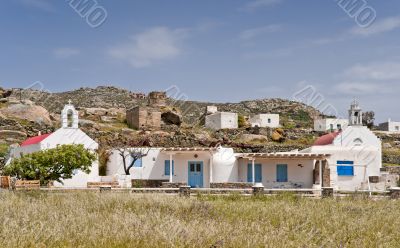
(220, 120)
(330, 124)
(265, 120)
(69, 133)
(390, 126)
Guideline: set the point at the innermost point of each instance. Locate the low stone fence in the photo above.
(142, 183)
(94, 185)
(26, 185)
(238, 185)
(173, 185)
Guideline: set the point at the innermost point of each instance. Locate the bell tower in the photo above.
(355, 114)
(69, 116)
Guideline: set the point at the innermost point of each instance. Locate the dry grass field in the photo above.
(128, 220)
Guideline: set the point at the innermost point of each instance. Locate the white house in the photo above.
(208, 167)
(69, 133)
(265, 120)
(344, 160)
(356, 153)
(330, 124)
(220, 120)
(390, 126)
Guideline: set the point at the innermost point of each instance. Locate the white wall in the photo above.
(323, 125)
(67, 136)
(222, 120)
(298, 177)
(265, 120)
(367, 163)
(153, 166)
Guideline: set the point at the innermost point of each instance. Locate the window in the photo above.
(138, 163)
(397, 128)
(331, 126)
(281, 173)
(345, 168)
(166, 167)
(269, 120)
(70, 118)
(339, 126)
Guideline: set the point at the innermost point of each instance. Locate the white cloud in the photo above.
(252, 33)
(151, 46)
(65, 52)
(361, 88)
(256, 4)
(376, 71)
(43, 5)
(386, 25)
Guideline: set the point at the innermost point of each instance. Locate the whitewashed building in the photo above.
(69, 133)
(356, 153)
(213, 167)
(330, 124)
(265, 120)
(220, 120)
(390, 126)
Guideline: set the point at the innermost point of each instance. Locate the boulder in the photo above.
(28, 112)
(387, 145)
(247, 138)
(277, 137)
(12, 134)
(171, 118)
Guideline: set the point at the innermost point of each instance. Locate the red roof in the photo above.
(35, 140)
(326, 139)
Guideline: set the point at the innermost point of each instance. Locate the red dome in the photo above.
(326, 139)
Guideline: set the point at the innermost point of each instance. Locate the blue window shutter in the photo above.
(249, 173)
(281, 173)
(257, 172)
(345, 168)
(166, 167)
(138, 163)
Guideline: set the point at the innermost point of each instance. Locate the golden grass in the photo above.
(128, 220)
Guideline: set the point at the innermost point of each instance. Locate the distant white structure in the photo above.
(265, 120)
(390, 126)
(220, 120)
(330, 124)
(356, 154)
(68, 134)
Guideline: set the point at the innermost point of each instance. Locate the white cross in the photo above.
(69, 101)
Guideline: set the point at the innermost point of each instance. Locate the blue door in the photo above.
(281, 173)
(257, 173)
(195, 174)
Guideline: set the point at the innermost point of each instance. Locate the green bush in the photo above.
(52, 164)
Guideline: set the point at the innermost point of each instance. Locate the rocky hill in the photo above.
(25, 113)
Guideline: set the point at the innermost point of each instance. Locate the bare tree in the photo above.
(369, 118)
(134, 153)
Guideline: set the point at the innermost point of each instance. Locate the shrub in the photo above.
(52, 164)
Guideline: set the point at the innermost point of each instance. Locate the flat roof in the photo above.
(284, 155)
(188, 149)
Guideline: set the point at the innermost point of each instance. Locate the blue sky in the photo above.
(222, 51)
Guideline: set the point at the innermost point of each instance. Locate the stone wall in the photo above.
(157, 98)
(172, 185)
(143, 117)
(139, 183)
(231, 185)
